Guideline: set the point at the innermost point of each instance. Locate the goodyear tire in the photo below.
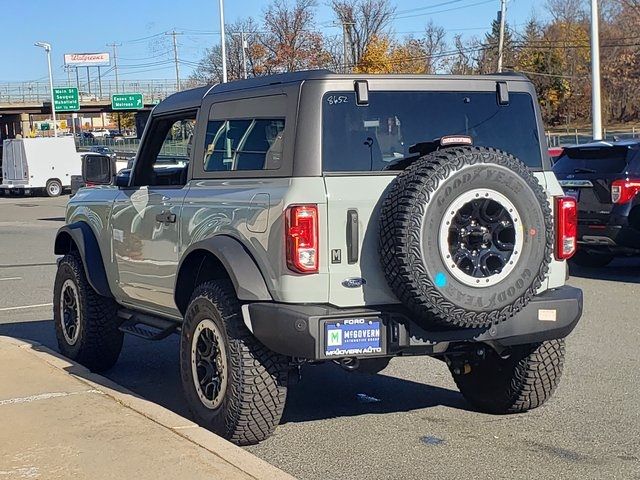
(234, 385)
(466, 237)
(521, 382)
(85, 322)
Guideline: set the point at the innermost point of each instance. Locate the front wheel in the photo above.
(234, 385)
(521, 382)
(85, 322)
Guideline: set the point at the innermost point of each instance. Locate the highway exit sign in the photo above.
(126, 101)
(66, 99)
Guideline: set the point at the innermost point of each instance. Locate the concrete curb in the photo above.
(236, 456)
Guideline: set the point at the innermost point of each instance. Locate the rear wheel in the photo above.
(591, 259)
(53, 188)
(234, 385)
(521, 382)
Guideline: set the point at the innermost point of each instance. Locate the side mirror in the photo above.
(122, 178)
(98, 169)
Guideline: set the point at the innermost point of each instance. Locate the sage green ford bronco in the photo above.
(315, 217)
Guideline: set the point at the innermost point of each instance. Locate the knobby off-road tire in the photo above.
(516, 384)
(85, 322)
(413, 216)
(247, 403)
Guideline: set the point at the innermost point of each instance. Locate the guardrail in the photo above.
(38, 92)
(578, 137)
(128, 147)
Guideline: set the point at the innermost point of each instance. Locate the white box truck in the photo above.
(47, 164)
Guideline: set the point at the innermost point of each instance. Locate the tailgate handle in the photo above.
(353, 236)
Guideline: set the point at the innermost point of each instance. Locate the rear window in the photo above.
(594, 160)
(369, 138)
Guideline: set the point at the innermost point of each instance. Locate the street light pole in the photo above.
(222, 43)
(596, 110)
(47, 48)
(503, 14)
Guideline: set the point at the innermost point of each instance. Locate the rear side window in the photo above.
(594, 160)
(244, 144)
(370, 138)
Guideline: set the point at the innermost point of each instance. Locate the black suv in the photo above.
(604, 177)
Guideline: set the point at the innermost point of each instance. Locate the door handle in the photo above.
(166, 217)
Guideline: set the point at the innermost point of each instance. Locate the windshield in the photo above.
(593, 160)
(369, 138)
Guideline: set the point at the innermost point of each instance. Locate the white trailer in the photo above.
(47, 164)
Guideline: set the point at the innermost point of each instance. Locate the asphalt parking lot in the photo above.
(407, 422)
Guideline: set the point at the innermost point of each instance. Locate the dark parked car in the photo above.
(604, 177)
(103, 151)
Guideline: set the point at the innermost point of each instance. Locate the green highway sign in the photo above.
(44, 126)
(66, 99)
(126, 101)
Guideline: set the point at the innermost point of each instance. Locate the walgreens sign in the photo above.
(87, 59)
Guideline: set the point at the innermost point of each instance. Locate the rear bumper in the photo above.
(299, 330)
(614, 238)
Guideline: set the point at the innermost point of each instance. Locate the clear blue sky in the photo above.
(75, 26)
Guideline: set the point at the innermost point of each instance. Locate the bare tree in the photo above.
(209, 69)
(291, 39)
(569, 11)
(363, 21)
(434, 46)
(463, 60)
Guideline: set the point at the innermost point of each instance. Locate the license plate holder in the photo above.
(354, 337)
(573, 192)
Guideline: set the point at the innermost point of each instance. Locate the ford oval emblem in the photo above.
(354, 282)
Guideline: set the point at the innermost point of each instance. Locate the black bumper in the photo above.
(611, 237)
(299, 330)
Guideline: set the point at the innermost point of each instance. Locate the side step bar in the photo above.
(146, 326)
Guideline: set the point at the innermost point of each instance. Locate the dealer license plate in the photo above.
(353, 336)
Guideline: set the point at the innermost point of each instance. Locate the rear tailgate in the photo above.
(356, 276)
(14, 163)
(587, 173)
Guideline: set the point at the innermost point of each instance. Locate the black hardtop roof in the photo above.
(193, 97)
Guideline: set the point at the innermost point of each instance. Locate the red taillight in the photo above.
(566, 227)
(623, 191)
(302, 238)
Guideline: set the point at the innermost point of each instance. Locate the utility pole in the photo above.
(115, 46)
(345, 46)
(502, 14)
(595, 73)
(175, 56)
(223, 46)
(244, 54)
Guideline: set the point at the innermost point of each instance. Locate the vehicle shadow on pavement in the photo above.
(327, 391)
(150, 370)
(620, 270)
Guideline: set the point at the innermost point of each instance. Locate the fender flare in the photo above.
(82, 236)
(245, 275)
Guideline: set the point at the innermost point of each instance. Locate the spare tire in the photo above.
(466, 236)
